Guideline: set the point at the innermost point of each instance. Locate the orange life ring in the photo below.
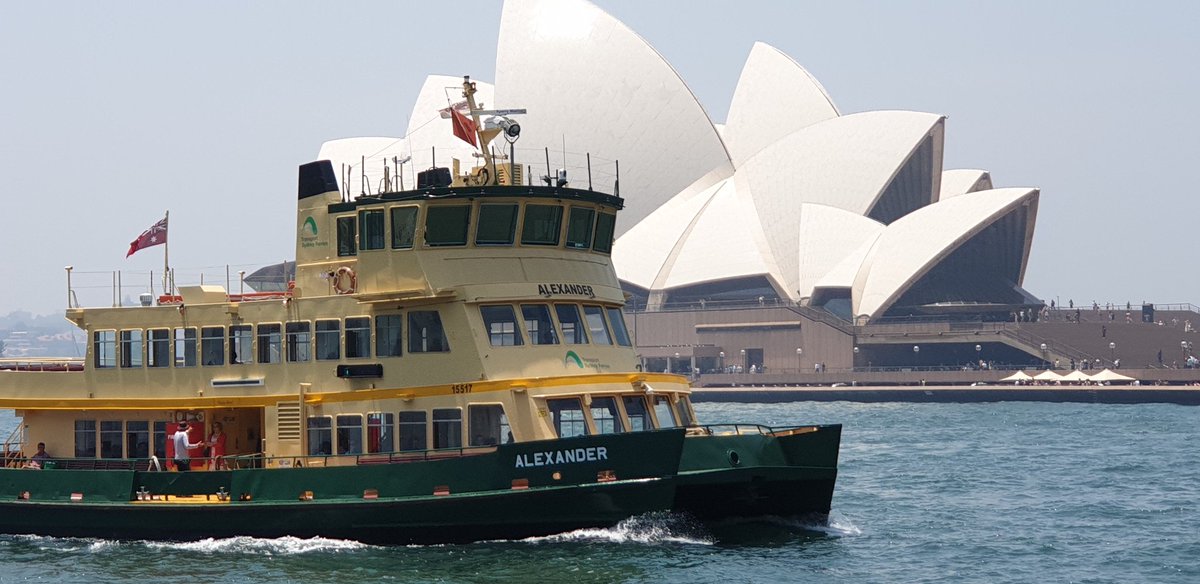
(344, 280)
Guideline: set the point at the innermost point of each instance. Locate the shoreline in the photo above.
(1189, 396)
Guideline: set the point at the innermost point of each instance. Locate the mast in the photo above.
(469, 93)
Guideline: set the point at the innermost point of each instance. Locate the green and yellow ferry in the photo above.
(450, 363)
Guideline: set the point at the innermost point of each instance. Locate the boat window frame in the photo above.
(434, 421)
(618, 417)
(263, 343)
(363, 225)
(556, 421)
(685, 412)
(193, 341)
(670, 408)
(349, 434)
(604, 233)
(363, 343)
(437, 210)
(240, 335)
(111, 428)
(398, 351)
(309, 430)
(526, 227)
(347, 235)
(401, 434)
(585, 243)
(512, 228)
(291, 348)
(535, 335)
(131, 434)
(410, 229)
(156, 357)
(502, 423)
(332, 338)
(205, 346)
(104, 359)
(385, 426)
(608, 340)
(127, 356)
(580, 324)
(89, 436)
(620, 332)
(497, 318)
(646, 417)
(427, 339)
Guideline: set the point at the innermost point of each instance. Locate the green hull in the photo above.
(479, 500)
(757, 474)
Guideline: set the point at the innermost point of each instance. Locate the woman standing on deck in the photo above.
(216, 445)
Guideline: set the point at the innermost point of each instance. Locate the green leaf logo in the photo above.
(309, 228)
(571, 356)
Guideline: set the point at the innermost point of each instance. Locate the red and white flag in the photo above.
(156, 235)
(464, 127)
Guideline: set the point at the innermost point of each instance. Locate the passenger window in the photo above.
(131, 348)
(605, 224)
(412, 431)
(447, 428)
(299, 342)
(542, 224)
(489, 426)
(567, 416)
(664, 413)
(596, 326)
(372, 229)
(111, 439)
(606, 416)
(446, 225)
(404, 227)
(635, 409)
(497, 225)
(579, 228)
(85, 436)
(425, 332)
(387, 335)
(329, 337)
(270, 343)
(137, 439)
(617, 320)
(104, 349)
(212, 345)
(538, 324)
(320, 436)
(158, 353)
(185, 347)
(501, 325)
(346, 237)
(358, 337)
(349, 434)
(380, 436)
(240, 344)
(573, 330)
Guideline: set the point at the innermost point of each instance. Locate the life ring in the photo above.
(344, 280)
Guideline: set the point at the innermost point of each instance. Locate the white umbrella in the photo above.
(1018, 376)
(1047, 375)
(1076, 375)
(1110, 375)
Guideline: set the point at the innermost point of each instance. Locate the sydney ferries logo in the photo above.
(308, 234)
(573, 358)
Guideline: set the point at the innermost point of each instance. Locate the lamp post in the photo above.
(1112, 352)
(722, 353)
(799, 352)
(676, 363)
(854, 359)
(745, 367)
(917, 355)
(979, 356)
(1043, 347)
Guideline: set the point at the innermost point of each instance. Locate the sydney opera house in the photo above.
(792, 235)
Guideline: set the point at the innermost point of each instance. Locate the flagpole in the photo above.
(166, 242)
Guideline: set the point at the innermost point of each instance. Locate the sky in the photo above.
(113, 113)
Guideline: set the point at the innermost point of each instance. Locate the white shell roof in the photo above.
(347, 156)
(593, 83)
(961, 181)
(428, 130)
(827, 236)
(913, 244)
(774, 97)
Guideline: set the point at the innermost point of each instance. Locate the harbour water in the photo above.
(998, 492)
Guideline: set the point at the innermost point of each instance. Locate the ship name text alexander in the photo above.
(566, 290)
(589, 454)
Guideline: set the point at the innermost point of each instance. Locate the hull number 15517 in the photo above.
(461, 388)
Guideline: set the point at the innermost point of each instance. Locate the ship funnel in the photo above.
(317, 178)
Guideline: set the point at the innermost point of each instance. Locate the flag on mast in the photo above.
(156, 235)
(463, 127)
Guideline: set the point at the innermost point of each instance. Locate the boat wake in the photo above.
(283, 546)
(649, 529)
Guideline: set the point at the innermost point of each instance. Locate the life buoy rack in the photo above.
(344, 280)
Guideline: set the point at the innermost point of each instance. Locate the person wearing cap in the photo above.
(183, 462)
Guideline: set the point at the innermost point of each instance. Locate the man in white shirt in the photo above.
(183, 461)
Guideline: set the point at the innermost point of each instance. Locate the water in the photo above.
(1009, 492)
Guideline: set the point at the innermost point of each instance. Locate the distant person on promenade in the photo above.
(183, 460)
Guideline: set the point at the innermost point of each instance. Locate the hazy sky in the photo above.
(112, 112)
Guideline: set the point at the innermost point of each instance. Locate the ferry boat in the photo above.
(450, 363)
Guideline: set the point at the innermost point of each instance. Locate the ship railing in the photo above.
(752, 429)
(14, 447)
(44, 364)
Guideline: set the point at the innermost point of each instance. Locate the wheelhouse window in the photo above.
(104, 349)
(664, 412)
(497, 225)
(299, 341)
(573, 331)
(111, 439)
(388, 341)
(425, 332)
(358, 337)
(683, 406)
(501, 325)
(158, 351)
(372, 236)
(446, 225)
(185, 347)
(404, 227)
(85, 438)
(579, 227)
(320, 436)
(346, 236)
(489, 425)
(131, 348)
(447, 428)
(329, 338)
(137, 439)
(212, 345)
(606, 223)
(567, 417)
(241, 344)
(617, 319)
(381, 435)
(542, 223)
(412, 431)
(635, 410)
(596, 325)
(606, 416)
(270, 343)
(349, 434)
(538, 324)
